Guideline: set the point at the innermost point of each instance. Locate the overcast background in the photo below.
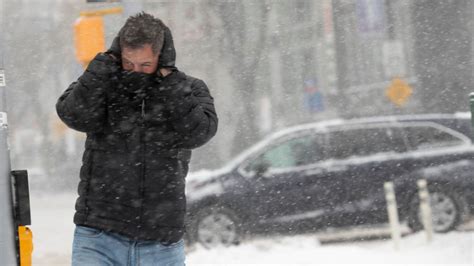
(268, 64)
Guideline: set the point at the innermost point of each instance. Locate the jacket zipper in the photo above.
(142, 163)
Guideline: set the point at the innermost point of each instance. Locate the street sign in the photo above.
(399, 91)
(2, 78)
(3, 119)
(313, 96)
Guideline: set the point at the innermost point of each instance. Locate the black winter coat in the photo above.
(136, 157)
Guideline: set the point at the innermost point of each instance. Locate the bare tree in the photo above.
(39, 56)
(244, 30)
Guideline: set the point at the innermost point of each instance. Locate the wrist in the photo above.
(165, 71)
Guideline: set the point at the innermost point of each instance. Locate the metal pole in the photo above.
(392, 214)
(425, 209)
(7, 229)
(2, 56)
(8, 252)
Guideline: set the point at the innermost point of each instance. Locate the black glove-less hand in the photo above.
(136, 82)
(103, 65)
(179, 101)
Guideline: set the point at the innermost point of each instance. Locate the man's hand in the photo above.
(103, 65)
(136, 82)
(179, 101)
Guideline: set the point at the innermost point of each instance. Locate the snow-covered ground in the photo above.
(450, 249)
(53, 230)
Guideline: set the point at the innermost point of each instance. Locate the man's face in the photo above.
(141, 60)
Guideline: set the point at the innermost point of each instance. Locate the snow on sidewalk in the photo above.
(446, 249)
(53, 230)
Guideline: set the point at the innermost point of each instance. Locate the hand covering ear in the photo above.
(103, 65)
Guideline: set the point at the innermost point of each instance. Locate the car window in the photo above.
(302, 150)
(365, 141)
(427, 137)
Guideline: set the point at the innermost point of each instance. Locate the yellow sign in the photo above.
(399, 91)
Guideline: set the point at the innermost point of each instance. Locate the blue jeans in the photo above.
(96, 247)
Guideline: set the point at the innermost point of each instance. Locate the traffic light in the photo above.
(89, 37)
(89, 34)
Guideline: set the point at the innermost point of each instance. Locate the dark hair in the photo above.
(142, 29)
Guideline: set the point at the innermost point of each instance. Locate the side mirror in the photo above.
(261, 168)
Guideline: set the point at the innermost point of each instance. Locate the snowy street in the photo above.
(53, 239)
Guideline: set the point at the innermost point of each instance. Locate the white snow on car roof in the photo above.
(320, 126)
(375, 119)
(463, 115)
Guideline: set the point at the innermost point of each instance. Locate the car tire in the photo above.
(447, 210)
(216, 226)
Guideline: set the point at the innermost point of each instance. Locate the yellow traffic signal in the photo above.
(89, 37)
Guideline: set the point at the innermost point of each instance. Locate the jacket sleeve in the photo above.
(82, 106)
(199, 125)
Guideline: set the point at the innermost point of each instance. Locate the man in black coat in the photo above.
(142, 118)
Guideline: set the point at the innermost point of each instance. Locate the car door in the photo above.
(284, 193)
(365, 157)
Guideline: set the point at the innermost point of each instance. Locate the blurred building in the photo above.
(374, 43)
(323, 59)
(268, 63)
(427, 43)
(443, 31)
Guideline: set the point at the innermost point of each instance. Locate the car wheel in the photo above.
(446, 211)
(217, 226)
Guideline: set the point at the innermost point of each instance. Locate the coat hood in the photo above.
(168, 53)
(167, 56)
